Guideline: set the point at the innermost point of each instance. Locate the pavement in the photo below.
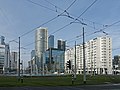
(83, 87)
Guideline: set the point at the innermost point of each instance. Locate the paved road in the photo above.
(87, 87)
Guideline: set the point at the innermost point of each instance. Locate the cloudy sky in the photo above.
(20, 18)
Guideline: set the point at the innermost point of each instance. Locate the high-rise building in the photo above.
(7, 59)
(54, 61)
(116, 64)
(32, 54)
(51, 41)
(13, 61)
(4, 56)
(61, 45)
(2, 40)
(98, 56)
(41, 45)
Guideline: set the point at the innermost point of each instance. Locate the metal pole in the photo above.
(22, 67)
(19, 62)
(75, 61)
(84, 68)
(50, 58)
(94, 66)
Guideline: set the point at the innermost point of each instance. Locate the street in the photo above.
(84, 87)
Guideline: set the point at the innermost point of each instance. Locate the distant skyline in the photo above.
(17, 17)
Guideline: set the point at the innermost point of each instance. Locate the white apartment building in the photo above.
(98, 56)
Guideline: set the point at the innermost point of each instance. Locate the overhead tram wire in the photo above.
(47, 21)
(86, 10)
(50, 19)
(41, 5)
(51, 4)
(70, 5)
(77, 17)
(40, 26)
(102, 30)
(67, 14)
(53, 19)
(71, 14)
(98, 31)
(59, 7)
(54, 5)
(73, 18)
(61, 28)
(36, 27)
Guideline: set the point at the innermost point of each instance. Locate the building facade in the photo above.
(32, 54)
(41, 45)
(7, 59)
(61, 45)
(98, 56)
(4, 56)
(54, 61)
(13, 62)
(116, 64)
(51, 41)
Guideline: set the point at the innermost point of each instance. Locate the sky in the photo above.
(18, 17)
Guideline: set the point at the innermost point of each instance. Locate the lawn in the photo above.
(6, 81)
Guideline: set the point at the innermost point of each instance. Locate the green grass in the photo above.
(57, 81)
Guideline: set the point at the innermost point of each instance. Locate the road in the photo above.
(85, 87)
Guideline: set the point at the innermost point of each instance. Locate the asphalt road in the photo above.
(86, 87)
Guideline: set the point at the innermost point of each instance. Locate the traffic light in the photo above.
(69, 64)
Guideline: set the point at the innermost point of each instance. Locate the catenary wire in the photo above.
(75, 19)
(48, 20)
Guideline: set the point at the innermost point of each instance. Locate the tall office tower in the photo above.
(7, 57)
(41, 45)
(13, 61)
(51, 41)
(61, 45)
(2, 40)
(2, 58)
(32, 54)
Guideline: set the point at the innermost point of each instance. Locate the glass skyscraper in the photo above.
(54, 60)
(2, 58)
(61, 45)
(51, 41)
(41, 45)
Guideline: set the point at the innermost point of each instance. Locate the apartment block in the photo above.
(98, 56)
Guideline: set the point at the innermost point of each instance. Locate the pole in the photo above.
(94, 66)
(91, 65)
(50, 58)
(22, 68)
(75, 61)
(84, 68)
(19, 62)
